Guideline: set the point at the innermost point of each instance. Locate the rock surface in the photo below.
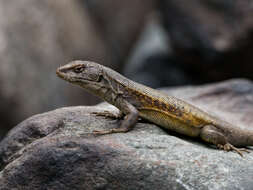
(35, 38)
(120, 23)
(211, 38)
(38, 36)
(56, 150)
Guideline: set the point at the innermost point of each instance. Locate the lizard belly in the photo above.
(166, 121)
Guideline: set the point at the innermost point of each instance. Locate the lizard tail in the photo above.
(243, 138)
(250, 139)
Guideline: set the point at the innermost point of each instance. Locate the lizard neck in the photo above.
(109, 88)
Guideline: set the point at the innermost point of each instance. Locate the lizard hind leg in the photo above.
(210, 134)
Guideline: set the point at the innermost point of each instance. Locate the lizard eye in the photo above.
(78, 69)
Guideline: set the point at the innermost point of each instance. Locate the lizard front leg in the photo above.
(210, 134)
(108, 114)
(128, 123)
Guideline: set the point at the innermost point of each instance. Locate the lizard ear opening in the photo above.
(100, 77)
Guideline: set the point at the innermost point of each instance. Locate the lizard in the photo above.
(135, 100)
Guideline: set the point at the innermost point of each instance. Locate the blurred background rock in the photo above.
(158, 43)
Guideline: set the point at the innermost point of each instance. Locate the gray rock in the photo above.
(120, 24)
(38, 36)
(211, 39)
(35, 38)
(56, 150)
(150, 63)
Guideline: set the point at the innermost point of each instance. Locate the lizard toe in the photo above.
(230, 147)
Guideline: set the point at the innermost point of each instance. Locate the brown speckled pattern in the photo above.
(135, 99)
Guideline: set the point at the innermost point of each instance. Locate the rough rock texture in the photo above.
(55, 150)
(211, 38)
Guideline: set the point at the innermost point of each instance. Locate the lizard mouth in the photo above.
(72, 79)
(62, 75)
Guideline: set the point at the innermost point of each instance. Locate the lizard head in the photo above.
(80, 72)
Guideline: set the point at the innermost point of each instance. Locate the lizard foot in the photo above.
(108, 114)
(118, 130)
(229, 147)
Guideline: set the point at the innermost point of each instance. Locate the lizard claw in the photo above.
(229, 147)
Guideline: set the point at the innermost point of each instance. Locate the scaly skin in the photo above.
(135, 100)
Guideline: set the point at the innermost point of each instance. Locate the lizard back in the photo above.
(157, 107)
